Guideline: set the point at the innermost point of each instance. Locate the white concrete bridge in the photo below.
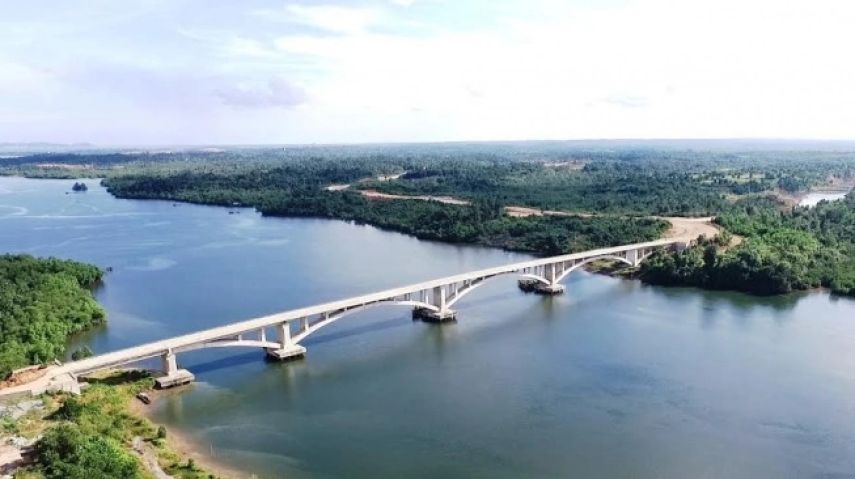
(280, 334)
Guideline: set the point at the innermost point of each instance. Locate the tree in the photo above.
(65, 452)
(81, 353)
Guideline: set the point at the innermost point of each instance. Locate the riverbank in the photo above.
(109, 411)
(182, 443)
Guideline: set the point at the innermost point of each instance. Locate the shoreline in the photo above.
(182, 442)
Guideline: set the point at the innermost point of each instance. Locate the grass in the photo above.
(103, 409)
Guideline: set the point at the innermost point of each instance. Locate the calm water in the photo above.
(612, 379)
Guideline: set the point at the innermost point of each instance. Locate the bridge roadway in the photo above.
(431, 300)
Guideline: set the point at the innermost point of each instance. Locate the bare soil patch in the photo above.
(376, 195)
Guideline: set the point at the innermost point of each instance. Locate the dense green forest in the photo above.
(289, 193)
(783, 251)
(634, 180)
(749, 187)
(42, 302)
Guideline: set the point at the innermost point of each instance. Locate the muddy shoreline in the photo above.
(183, 443)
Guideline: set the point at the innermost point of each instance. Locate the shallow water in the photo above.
(612, 379)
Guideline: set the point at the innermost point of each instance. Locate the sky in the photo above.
(167, 72)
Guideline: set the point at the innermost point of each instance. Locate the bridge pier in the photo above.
(173, 376)
(539, 287)
(431, 316)
(438, 298)
(549, 289)
(289, 349)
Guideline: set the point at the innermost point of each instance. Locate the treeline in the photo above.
(483, 222)
(783, 251)
(611, 177)
(42, 302)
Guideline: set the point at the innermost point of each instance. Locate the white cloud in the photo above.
(445, 70)
(758, 68)
(331, 18)
(277, 92)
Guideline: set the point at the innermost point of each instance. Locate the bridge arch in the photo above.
(480, 281)
(578, 265)
(335, 316)
(230, 343)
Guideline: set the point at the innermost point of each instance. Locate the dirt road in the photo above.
(682, 227)
(376, 195)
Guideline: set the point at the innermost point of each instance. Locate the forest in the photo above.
(783, 251)
(617, 192)
(42, 303)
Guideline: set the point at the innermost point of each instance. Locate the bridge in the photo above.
(431, 301)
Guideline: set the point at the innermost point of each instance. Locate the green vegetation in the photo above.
(783, 251)
(66, 452)
(42, 302)
(92, 436)
(748, 186)
(299, 190)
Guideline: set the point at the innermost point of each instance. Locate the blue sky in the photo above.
(217, 72)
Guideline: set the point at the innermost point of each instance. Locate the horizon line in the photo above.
(84, 144)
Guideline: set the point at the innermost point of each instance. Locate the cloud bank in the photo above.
(265, 71)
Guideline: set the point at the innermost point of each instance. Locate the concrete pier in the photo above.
(177, 378)
(293, 351)
(549, 288)
(172, 375)
(539, 287)
(431, 316)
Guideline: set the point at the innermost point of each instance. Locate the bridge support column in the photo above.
(173, 376)
(551, 275)
(441, 314)
(633, 256)
(289, 349)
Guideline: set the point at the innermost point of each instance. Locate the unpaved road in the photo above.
(682, 227)
(376, 195)
(523, 211)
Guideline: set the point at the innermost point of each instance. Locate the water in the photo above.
(612, 379)
(812, 199)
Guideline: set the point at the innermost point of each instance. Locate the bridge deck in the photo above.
(158, 348)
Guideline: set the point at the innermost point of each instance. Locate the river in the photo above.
(612, 379)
